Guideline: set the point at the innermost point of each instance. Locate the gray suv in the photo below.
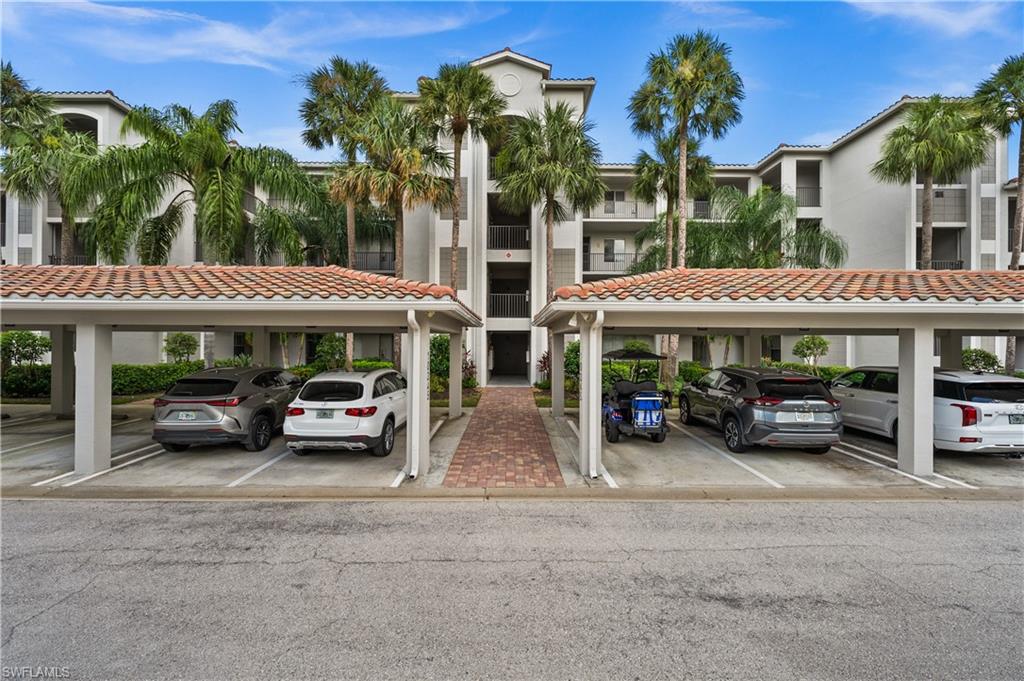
(761, 406)
(243, 405)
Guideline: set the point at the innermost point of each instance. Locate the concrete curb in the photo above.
(725, 494)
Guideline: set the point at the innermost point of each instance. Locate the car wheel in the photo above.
(824, 449)
(387, 439)
(685, 417)
(261, 430)
(657, 437)
(611, 433)
(733, 435)
(173, 446)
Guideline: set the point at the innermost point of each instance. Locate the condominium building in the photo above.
(502, 254)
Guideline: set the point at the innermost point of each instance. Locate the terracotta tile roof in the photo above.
(204, 282)
(805, 285)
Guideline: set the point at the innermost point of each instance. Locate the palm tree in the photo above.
(1000, 98)
(691, 90)
(461, 100)
(192, 159)
(53, 161)
(546, 156)
(938, 140)
(659, 173)
(23, 110)
(339, 95)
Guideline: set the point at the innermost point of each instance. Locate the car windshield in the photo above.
(794, 388)
(202, 387)
(331, 391)
(994, 392)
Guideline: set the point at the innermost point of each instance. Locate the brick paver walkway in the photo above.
(505, 445)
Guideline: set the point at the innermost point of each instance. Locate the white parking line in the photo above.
(888, 468)
(608, 478)
(896, 461)
(436, 427)
(24, 419)
(399, 479)
(728, 457)
(59, 437)
(113, 458)
(259, 469)
(114, 468)
(573, 426)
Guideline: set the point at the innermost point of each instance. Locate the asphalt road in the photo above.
(516, 589)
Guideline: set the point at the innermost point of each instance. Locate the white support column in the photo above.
(752, 348)
(917, 376)
(951, 350)
(92, 398)
(455, 375)
(62, 372)
(416, 360)
(557, 357)
(260, 346)
(587, 413)
(595, 441)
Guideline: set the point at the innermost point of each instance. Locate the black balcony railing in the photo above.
(73, 260)
(627, 210)
(508, 237)
(508, 305)
(603, 262)
(375, 261)
(808, 196)
(490, 168)
(945, 264)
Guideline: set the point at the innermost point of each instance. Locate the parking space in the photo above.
(696, 456)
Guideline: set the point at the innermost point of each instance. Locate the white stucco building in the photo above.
(502, 255)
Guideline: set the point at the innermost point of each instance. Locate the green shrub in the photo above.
(440, 362)
(26, 380)
(126, 379)
(691, 371)
(636, 345)
(826, 372)
(572, 361)
(22, 347)
(811, 349)
(236, 361)
(543, 384)
(330, 352)
(308, 371)
(976, 359)
(180, 347)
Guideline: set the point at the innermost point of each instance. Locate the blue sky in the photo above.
(812, 70)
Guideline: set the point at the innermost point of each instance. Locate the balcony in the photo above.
(619, 263)
(375, 261)
(508, 237)
(945, 264)
(699, 209)
(74, 260)
(621, 210)
(948, 205)
(490, 168)
(808, 197)
(508, 305)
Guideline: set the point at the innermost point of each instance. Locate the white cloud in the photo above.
(821, 138)
(150, 35)
(720, 14)
(956, 19)
(289, 138)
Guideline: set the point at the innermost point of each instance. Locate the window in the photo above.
(732, 384)
(1004, 391)
(399, 380)
(885, 382)
(202, 387)
(948, 390)
(331, 391)
(709, 380)
(286, 379)
(615, 195)
(854, 379)
(614, 250)
(382, 386)
(268, 379)
(794, 388)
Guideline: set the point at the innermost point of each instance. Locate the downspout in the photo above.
(413, 426)
(595, 442)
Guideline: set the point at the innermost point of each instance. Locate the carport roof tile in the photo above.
(804, 285)
(210, 282)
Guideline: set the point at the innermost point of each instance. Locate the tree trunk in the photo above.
(397, 210)
(350, 238)
(549, 247)
(670, 235)
(1015, 248)
(67, 236)
(457, 186)
(682, 192)
(725, 355)
(926, 222)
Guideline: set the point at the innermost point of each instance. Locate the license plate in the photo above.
(186, 416)
(804, 416)
(1016, 419)
(325, 413)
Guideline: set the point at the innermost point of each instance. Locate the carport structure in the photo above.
(82, 307)
(920, 307)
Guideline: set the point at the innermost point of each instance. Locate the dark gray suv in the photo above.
(761, 406)
(243, 405)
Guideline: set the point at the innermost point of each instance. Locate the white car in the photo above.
(353, 411)
(974, 412)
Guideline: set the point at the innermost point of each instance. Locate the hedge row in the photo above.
(28, 380)
(308, 371)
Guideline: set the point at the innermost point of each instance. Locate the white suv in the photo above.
(354, 411)
(974, 412)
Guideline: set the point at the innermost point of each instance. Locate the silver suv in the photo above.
(215, 406)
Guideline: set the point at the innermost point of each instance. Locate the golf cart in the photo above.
(634, 405)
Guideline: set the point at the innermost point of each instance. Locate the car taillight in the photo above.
(295, 411)
(360, 411)
(763, 401)
(230, 402)
(160, 402)
(834, 403)
(968, 414)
